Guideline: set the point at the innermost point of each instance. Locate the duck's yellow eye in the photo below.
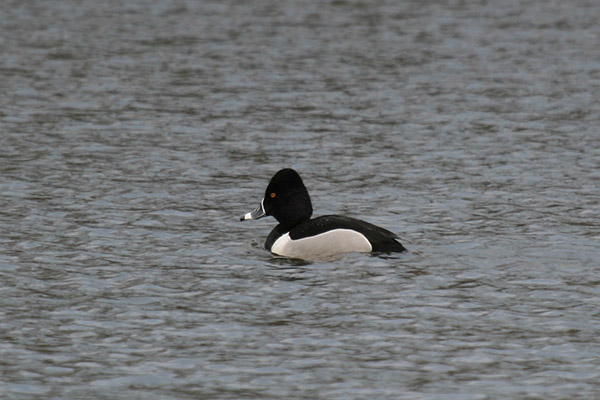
(273, 195)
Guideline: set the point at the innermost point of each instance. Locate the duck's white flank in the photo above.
(329, 243)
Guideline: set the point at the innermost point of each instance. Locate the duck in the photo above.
(298, 236)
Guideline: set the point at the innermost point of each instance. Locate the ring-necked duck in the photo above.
(298, 236)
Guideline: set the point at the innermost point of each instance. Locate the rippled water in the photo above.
(133, 136)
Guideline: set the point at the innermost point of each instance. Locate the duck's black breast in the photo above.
(381, 239)
(277, 232)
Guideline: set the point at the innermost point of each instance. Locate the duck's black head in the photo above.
(286, 199)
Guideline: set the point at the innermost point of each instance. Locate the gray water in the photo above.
(133, 135)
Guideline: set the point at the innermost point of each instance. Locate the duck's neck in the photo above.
(286, 226)
(298, 209)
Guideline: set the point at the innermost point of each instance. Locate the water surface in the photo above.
(133, 136)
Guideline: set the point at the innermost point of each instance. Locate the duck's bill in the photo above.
(256, 214)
